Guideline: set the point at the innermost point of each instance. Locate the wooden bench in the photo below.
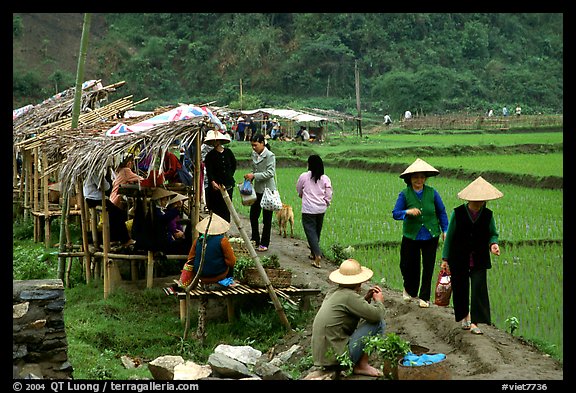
(229, 293)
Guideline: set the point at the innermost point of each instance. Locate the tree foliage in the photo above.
(428, 61)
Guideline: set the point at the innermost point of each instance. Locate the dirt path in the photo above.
(495, 355)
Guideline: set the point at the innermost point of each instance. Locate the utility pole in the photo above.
(357, 78)
(241, 106)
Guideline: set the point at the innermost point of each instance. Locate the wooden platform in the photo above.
(242, 289)
(228, 293)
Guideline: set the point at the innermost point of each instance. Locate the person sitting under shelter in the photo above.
(219, 258)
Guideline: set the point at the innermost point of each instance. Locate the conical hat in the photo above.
(480, 190)
(350, 272)
(217, 226)
(216, 136)
(160, 192)
(420, 166)
(176, 198)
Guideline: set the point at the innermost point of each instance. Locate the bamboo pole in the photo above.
(44, 188)
(105, 243)
(84, 227)
(256, 258)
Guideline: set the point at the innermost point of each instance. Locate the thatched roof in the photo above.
(57, 110)
(93, 155)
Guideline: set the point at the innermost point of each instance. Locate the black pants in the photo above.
(312, 224)
(117, 217)
(470, 295)
(255, 210)
(215, 202)
(411, 252)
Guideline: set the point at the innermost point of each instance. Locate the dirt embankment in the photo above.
(495, 355)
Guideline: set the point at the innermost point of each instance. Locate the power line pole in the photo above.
(357, 78)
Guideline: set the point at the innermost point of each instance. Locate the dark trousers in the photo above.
(215, 202)
(411, 253)
(117, 217)
(312, 224)
(470, 295)
(255, 210)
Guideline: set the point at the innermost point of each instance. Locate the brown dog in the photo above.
(285, 216)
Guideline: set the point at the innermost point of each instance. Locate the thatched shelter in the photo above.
(51, 151)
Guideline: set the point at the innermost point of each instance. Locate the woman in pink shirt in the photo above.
(315, 189)
(124, 175)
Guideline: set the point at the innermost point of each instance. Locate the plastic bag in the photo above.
(247, 200)
(271, 200)
(246, 188)
(443, 288)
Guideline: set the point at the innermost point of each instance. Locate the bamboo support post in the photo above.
(84, 226)
(150, 270)
(44, 188)
(256, 258)
(106, 245)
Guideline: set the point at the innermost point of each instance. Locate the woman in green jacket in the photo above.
(422, 211)
(346, 317)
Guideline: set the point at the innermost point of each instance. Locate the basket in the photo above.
(391, 370)
(434, 371)
(240, 249)
(279, 278)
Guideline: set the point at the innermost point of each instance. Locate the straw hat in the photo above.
(160, 192)
(350, 272)
(240, 118)
(217, 226)
(480, 190)
(420, 166)
(176, 198)
(216, 136)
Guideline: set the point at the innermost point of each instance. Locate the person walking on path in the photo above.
(315, 190)
(346, 318)
(262, 177)
(220, 164)
(424, 217)
(470, 239)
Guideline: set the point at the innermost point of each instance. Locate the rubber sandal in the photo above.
(466, 325)
(262, 248)
(405, 296)
(424, 304)
(316, 265)
(476, 330)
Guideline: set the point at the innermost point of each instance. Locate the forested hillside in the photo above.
(425, 62)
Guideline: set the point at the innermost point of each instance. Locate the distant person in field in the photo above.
(504, 111)
(407, 115)
(422, 211)
(518, 110)
(491, 113)
(387, 119)
(470, 239)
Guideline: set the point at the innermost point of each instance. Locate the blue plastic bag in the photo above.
(421, 360)
(246, 188)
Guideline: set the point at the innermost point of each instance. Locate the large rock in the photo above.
(191, 371)
(243, 353)
(162, 368)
